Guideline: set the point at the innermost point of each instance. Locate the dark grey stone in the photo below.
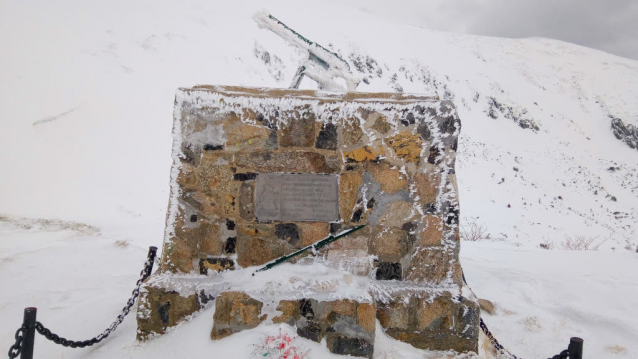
(350, 346)
(310, 331)
(163, 310)
(230, 245)
(327, 138)
(288, 232)
(388, 271)
(244, 176)
(424, 131)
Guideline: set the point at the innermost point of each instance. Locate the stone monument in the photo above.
(260, 173)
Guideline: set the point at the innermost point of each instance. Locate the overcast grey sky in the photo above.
(608, 25)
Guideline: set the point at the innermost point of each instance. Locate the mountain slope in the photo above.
(86, 100)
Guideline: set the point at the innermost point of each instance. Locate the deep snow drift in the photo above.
(86, 111)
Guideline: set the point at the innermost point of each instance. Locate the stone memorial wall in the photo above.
(260, 173)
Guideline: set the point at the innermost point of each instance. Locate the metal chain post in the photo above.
(25, 334)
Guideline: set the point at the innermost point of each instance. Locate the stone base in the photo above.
(347, 326)
(234, 312)
(159, 309)
(440, 323)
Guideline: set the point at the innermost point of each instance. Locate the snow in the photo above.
(86, 107)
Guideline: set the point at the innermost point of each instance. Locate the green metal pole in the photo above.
(316, 245)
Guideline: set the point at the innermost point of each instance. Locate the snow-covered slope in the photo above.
(87, 90)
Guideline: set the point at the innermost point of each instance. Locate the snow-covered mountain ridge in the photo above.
(538, 157)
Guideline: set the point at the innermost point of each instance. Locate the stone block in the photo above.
(311, 232)
(299, 130)
(349, 183)
(182, 252)
(389, 271)
(365, 153)
(218, 264)
(159, 309)
(433, 265)
(257, 247)
(397, 214)
(427, 186)
(289, 161)
(431, 232)
(379, 123)
(406, 146)
(289, 312)
(347, 325)
(439, 323)
(245, 136)
(210, 242)
(388, 244)
(288, 232)
(214, 177)
(351, 132)
(234, 312)
(327, 138)
(366, 316)
(246, 202)
(390, 177)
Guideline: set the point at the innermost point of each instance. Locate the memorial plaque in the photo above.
(297, 197)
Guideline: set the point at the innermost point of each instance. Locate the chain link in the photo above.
(16, 348)
(148, 266)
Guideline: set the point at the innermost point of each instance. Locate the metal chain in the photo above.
(563, 355)
(500, 348)
(16, 348)
(125, 311)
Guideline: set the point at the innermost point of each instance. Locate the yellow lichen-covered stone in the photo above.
(407, 147)
(365, 153)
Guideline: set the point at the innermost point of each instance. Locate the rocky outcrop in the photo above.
(626, 133)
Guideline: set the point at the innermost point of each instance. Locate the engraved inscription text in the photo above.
(297, 197)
